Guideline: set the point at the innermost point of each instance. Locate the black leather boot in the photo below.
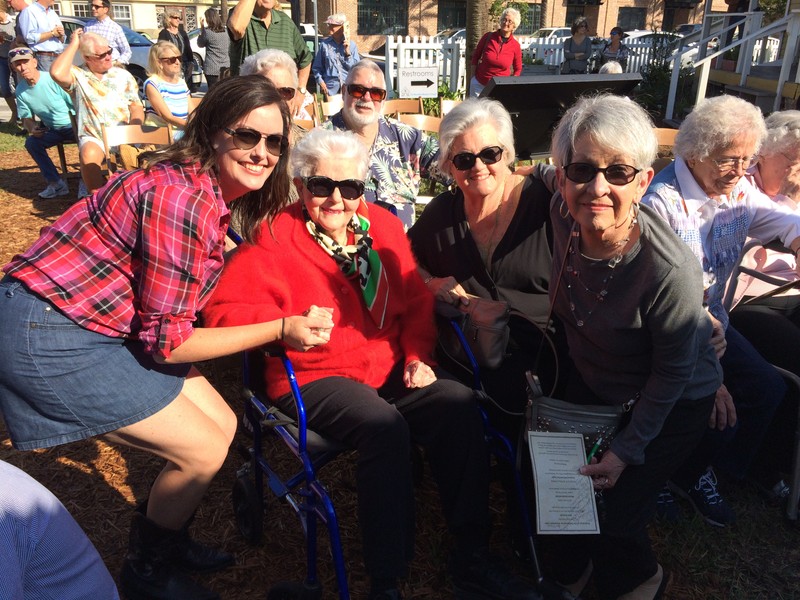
(148, 572)
(194, 556)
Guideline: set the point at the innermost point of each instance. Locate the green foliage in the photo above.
(653, 91)
(772, 9)
(430, 106)
(498, 6)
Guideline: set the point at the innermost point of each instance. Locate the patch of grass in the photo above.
(11, 138)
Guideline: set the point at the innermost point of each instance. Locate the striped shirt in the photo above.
(282, 34)
(137, 259)
(175, 95)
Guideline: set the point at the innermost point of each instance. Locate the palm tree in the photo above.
(543, 14)
(477, 24)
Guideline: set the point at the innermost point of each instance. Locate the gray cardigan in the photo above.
(650, 335)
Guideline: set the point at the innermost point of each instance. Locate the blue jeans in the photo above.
(5, 78)
(44, 62)
(37, 147)
(757, 390)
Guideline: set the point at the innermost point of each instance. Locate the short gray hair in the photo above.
(783, 132)
(613, 122)
(263, 61)
(717, 123)
(472, 113)
(513, 14)
(364, 64)
(320, 144)
(90, 41)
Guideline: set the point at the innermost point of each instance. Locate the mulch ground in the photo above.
(101, 484)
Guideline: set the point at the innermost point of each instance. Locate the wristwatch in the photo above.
(302, 90)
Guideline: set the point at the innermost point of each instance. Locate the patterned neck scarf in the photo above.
(358, 260)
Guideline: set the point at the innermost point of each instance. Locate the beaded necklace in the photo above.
(572, 269)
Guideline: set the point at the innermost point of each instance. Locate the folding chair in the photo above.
(790, 378)
(330, 108)
(303, 492)
(425, 123)
(116, 135)
(445, 106)
(402, 105)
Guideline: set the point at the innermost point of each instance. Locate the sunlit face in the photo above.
(170, 63)
(262, 6)
(598, 206)
(333, 212)
(774, 168)
(99, 59)
(716, 181)
(481, 180)
(242, 171)
(364, 111)
(507, 26)
(18, 5)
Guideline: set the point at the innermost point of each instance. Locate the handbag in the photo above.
(597, 423)
(484, 324)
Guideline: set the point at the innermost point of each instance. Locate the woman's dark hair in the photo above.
(578, 23)
(214, 20)
(227, 102)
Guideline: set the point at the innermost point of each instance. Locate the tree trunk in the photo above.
(477, 23)
(543, 14)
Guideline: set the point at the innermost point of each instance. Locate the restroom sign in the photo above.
(418, 82)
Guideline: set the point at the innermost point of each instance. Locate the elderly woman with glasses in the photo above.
(714, 208)
(100, 321)
(498, 53)
(629, 295)
(281, 70)
(372, 387)
(490, 238)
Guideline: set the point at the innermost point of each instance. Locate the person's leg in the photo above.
(37, 147)
(355, 415)
(5, 88)
(193, 433)
(92, 156)
(623, 557)
(211, 80)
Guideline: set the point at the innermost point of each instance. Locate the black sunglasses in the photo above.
(170, 59)
(614, 174)
(287, 93)
(466, 160)
(322, 187)
(103, 55)
(96, 6)
(359, 91)
(245, 138)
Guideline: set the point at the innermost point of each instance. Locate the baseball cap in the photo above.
(19, 54)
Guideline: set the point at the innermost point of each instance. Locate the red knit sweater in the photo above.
(493, 59)
(287, 271)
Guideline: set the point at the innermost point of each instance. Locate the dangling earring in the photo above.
(563, 209)
(635, 212)
(452, 188)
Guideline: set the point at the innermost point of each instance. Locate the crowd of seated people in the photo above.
(624, 272)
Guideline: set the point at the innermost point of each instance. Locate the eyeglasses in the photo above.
(20, 52)
(103, 55)
(614, 174)
(287, 93)
(175, 17)
(245, 138)
(359, 91)
(729, 164)
(97, 6)
(322, 187)
(171, 60)
(466, 160)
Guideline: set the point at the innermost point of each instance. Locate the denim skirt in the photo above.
(60, 382)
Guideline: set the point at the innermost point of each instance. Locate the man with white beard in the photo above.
(400, 154)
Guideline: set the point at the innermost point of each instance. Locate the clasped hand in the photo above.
(312, 328)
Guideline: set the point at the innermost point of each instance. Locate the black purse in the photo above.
(484, 324)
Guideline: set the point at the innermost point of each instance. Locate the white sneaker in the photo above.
(55, 189)
(82, 191)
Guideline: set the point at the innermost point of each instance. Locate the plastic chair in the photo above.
(303, 492)
(115, 135)
(792, 379)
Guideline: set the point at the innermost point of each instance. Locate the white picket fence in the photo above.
(449, 56)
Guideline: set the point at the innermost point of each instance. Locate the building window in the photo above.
(82, 10)
(530, 20)
(382, 17)
(122, 14)
(573, 12)
(630, 18)
(452, 15)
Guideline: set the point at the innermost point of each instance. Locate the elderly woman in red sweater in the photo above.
(497, 54)
(373, 386)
